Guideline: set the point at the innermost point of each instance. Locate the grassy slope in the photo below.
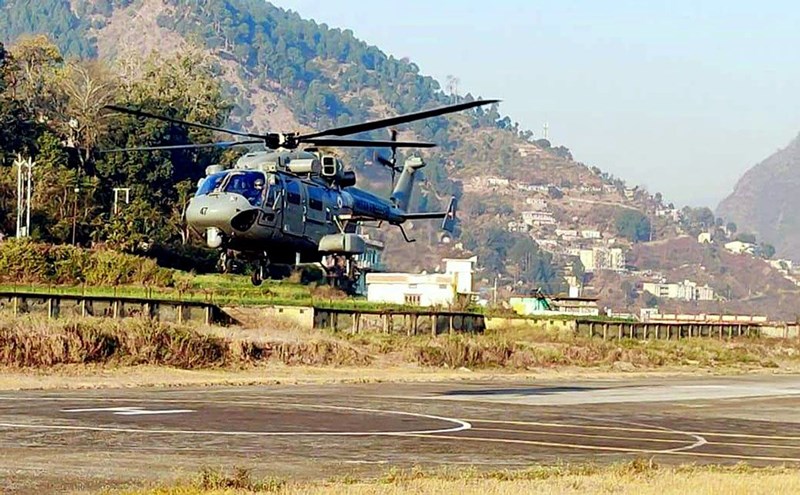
(216, 288)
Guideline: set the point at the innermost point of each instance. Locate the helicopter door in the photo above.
(273, 202)
(316, 221)
(294, 214)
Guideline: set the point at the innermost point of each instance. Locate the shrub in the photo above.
(25, 261)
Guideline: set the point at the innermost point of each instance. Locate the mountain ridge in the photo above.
(765, 200)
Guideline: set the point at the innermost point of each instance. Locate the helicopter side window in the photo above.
(315, 198)
(211, 183)
(293, 192)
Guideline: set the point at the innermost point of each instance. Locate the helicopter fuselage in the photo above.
(283, 206)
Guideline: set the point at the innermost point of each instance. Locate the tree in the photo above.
(746, 237)
(731, 227)
(767, 250)
(633, 225)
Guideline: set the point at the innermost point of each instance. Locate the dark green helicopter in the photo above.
(289, 206)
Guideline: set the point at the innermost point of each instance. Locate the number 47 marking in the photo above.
(129, 411)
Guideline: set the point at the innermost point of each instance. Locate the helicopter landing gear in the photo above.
(226, 263)
(261, 272)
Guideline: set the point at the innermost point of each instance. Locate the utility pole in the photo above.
(117, 191)
(24, 186)
(77, 190)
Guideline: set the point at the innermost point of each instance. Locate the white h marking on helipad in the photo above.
(129, 411)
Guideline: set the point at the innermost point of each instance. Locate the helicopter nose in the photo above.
(215, 210)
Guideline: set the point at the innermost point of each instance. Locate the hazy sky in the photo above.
(680, 96)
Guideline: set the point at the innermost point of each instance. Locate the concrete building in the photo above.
(537, 204)
(590, 234)
(576, 306)
(739, 247)
(782, 265)
(705, 238)
(436, 289)
(568, 234)
(533, 218)
(602, 258)
(497, 182)
(685, 291)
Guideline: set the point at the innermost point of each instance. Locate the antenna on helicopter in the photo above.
(391, 163)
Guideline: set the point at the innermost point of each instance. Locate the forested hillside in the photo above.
(324, 76)
(528, 210)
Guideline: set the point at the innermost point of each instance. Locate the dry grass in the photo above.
(41, 343)
(37, 353)
(638, 477)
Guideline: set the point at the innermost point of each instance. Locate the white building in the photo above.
(739, 247)
(602, 258)
(436, 289)
(704, 238)
(590, 234)
(782, 265)
(498, 182)
(568, 234)
(685, 291)
(538, 218)
(538, 204)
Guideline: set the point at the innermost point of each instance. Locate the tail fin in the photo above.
(401, 196)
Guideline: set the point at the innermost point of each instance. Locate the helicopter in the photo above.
(290, 206)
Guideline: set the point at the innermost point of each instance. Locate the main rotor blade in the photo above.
(366, 143)
(400, 119)
(222, 144)
(140, 113)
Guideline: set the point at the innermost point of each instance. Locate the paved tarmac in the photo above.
(60, 440)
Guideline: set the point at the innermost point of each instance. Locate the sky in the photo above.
(679, 96)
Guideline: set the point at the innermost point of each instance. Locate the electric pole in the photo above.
(24, 186)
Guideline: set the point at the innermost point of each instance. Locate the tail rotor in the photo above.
(390, 163)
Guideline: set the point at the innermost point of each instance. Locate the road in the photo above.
(61, 440)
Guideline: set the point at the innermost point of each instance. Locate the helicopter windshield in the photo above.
(210, 183)
(249, 184)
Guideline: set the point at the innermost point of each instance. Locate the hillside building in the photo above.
(534, 218)
(685, 291)
(540, 305)
(436, 289)
(497, 182)
(705, 238)
(602, 258)
(739, 247)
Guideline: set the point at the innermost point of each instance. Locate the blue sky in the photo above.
(679, 96)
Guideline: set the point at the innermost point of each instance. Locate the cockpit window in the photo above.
(211, 183)
(249, 184)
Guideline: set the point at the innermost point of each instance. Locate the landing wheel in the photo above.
(256, 278)
(260, 273)
(225, 263)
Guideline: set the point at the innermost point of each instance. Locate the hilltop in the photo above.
(765, 200)
(531, 213)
